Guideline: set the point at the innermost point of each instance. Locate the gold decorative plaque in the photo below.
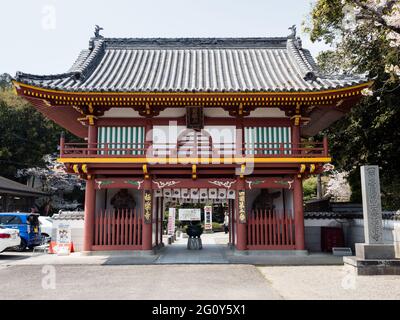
(242, 206)
(147, 206)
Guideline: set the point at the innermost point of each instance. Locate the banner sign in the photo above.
(171, 221)
(63, 240)
(208, 218)
(242, 206)
(147, 206)
(189, 214)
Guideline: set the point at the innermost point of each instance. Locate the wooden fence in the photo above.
(118, 230)
(270, 230)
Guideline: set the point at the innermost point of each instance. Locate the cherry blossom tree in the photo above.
(53, 179)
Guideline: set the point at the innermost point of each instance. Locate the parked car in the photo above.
(46, 226)
(9, 238)
(28, 226)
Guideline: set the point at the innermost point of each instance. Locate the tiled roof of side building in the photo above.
(8, 186)
(193, 65)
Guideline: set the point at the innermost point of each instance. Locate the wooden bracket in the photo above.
(194, 172)
(242, 170)
(89, 118)
(84, 168)
(90, 106)
(145, 171)
(75, 167)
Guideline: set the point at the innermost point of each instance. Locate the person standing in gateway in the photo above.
(226, 223)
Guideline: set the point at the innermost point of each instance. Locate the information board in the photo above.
(189, 214)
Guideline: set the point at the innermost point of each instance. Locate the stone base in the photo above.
(194, 244)
(366, 251)
(120, 253)
(371, 267)
(279, 253)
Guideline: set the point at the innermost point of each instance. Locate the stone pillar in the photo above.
(147, 241)
(240, 208)
(298, 213)
(372, 208)
(373, 248)
(373, 257)
(90, 208)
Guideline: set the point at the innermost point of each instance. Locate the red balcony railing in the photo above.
(192, 150)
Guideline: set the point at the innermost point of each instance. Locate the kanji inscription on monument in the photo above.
(372, 208)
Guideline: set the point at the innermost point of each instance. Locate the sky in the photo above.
(46, 36)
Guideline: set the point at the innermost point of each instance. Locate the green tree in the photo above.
(26, 135)
(310, 188)
(365, 37)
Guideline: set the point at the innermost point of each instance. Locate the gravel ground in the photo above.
(330, 282)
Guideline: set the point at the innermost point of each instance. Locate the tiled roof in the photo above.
(8, 186)
(69, 215)
(193, 65)
(386, 215)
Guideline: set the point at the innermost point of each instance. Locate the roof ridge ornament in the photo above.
(97, 31)
(293, 28)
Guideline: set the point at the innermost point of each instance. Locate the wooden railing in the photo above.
(172, 150)
(117, 230)
(270, 230)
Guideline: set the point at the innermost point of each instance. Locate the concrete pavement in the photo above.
(164, 282)
(215, 251)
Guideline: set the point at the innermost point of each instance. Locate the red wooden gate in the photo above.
(117, 230)
(270, 230)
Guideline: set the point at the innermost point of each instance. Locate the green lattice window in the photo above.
(267, 140)
(121, 140)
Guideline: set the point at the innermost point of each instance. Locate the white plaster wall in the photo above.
(121, 113)
(312, 238)
(391, 233)
(130, 113)
(219, 134)
(268, 113)
(258, 113)
(180, 112)
(353, 232)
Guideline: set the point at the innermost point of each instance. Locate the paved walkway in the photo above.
(163, 282)
(214, 251)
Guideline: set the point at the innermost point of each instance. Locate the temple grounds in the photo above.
(177, 273)
(192, 282)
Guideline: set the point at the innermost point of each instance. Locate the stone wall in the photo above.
(391, 233)
(353, 231)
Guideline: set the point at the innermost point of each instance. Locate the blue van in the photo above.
(28, 226)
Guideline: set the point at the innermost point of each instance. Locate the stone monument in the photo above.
(374, 256)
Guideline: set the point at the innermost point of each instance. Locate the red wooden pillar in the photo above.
(62, 144)
(92, 138)
(296, 137)
(147, 234)
(90, 207)
(298, 213)
(240, 208)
